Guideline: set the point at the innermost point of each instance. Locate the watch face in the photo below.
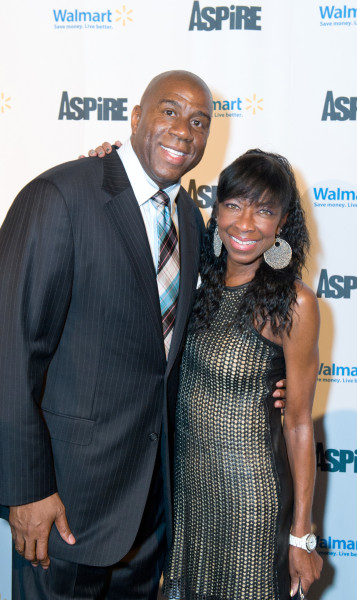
(311, 542)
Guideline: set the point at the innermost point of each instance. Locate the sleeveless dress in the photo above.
(233, 488)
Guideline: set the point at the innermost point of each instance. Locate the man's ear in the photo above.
(135, 118)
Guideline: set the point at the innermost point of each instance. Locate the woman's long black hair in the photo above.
(271, 295)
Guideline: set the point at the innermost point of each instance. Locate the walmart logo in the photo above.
(90, 19)
(4, 104)
(332, 12)
(124, 16)
(335, 16)
(235, 108)
(254, 104)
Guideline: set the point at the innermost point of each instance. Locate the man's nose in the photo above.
(182, 129)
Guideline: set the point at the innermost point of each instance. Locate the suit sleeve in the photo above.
(36, 273)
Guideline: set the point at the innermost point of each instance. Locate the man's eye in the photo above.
(169, 112)
(197, 123)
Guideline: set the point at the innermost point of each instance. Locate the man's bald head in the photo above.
(176, 76)
(170, 127)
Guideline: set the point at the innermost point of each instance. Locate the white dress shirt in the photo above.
(144, 188)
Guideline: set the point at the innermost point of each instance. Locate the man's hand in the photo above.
(100, 151)
(280, 394)
(31, 525)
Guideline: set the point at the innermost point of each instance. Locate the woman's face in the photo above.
(247, 229)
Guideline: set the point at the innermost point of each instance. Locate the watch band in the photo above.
(306, 542)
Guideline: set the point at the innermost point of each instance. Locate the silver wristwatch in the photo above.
(307, 542)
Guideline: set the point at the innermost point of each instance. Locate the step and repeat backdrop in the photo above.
(283, 78)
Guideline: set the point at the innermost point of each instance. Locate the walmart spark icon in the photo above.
(254, 104)
(124, 15)
(4, 102)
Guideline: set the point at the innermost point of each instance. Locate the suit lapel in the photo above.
(124, 213)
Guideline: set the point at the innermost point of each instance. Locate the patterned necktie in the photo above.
(168, 270)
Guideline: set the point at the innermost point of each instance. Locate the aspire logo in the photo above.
(334, 460)
(335, 286)
(214, 18)
(4, 102)
(343, 108)
(203, 195)
(104, 109)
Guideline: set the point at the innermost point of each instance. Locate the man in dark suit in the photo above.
(88, 386)
(87, 392)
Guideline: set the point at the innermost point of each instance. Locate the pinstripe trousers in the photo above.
(135, 577)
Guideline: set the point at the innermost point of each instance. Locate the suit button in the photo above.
(153, 437)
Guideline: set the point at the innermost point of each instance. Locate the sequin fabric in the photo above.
(227, 491)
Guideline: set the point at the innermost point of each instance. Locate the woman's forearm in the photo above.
(299, 439)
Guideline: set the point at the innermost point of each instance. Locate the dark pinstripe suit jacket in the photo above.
(79, 306)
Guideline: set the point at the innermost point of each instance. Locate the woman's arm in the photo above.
(302, 361)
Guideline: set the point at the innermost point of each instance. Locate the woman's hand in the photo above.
(279, 395)
(304, 567)
(100, 151)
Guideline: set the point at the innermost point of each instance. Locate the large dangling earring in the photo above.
(217, 243)
(279, 255)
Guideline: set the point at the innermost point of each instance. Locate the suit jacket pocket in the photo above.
(69, 429)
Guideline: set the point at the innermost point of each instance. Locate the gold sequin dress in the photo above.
(233, 489)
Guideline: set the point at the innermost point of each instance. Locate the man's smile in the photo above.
(174, 156)
(172, 151)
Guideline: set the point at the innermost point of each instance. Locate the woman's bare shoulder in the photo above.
(305, 296)
(306, 309)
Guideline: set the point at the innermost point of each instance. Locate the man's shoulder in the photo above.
(72, 170)
(72, 182)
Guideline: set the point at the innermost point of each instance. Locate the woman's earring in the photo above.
(279, 255)
(217, 243)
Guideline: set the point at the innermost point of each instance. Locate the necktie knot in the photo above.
(161, 200)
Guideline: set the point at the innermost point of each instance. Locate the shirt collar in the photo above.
(143, 187)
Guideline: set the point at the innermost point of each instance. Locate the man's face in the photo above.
(170, 128)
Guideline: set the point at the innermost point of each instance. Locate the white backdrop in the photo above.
(283, 78)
